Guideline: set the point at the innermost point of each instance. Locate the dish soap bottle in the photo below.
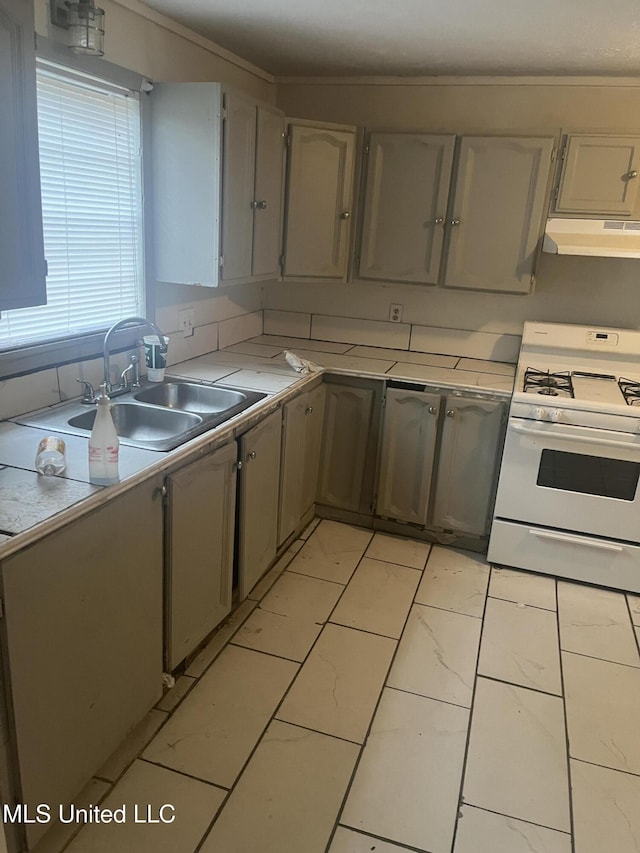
(104, 444)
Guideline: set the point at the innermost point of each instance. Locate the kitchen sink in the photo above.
(144, 424)
(191, 397)
(158, 417)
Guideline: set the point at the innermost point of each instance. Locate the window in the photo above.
(90, 165)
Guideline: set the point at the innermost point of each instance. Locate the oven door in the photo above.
(572, 478)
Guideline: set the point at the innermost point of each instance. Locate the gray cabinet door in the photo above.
(83, 621)
(319, 199)
(468, 462)
(200, 531)
(407, 457)
(405, 205)
(238, 170)
(599, 175)
(294, 424)
(497, 212)
(268, 193)
(259, 487)
(314, 414)
(347, 469)
(186, 133)
(23, 268)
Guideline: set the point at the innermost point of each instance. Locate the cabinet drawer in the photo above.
(570, 555)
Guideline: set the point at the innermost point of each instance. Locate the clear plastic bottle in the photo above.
(104, 444)
(50, 459)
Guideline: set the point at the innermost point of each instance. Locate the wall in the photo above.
(574, 290)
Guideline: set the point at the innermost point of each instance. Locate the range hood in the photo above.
(605, 238)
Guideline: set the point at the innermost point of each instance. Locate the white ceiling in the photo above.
(421, 37)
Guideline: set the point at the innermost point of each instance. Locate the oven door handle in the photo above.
(604, 442)
(577, 540)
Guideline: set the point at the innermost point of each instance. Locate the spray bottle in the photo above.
(104, 444)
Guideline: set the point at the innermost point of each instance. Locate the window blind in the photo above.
(90, 171)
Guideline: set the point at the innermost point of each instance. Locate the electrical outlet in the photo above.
(185, 320)
(395, 313)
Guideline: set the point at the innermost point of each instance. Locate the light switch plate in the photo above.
(185, 321)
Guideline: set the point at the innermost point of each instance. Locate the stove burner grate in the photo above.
(544, 382)
(630, 391)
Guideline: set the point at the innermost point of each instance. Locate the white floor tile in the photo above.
(377, 598)
(437, 655)
(407, 783)
(290, 616)
(523, 588)
(116, 764)
(288, 797)
(337, 689)
(454, 580)
(195, 805)
(596, 622)
(606, 809)
(517, 762)
(332, 551)
(394, 549)
(602, 700)
(348, 841)
(634, 607)
(485, 832)
(520, 645)
(212, 733)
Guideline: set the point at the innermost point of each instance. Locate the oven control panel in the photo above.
(602, 338)
(539, 413)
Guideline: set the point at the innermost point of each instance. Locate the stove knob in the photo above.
(538, 413)
(554, 415)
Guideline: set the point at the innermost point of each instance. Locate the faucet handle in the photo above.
(88, 392)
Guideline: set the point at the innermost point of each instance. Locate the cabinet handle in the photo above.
(162, 491)
(455, 222)
(238, 465)
(252, 455)
(439, 220)
(308, 410)
(259, 205)
(345, 215)
(632, 174)
(450, 413)
(433, 410)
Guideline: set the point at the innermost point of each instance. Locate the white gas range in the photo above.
(568, 501)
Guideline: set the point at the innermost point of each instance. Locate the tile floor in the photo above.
(379, 694)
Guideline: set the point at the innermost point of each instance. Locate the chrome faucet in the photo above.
(124, 386)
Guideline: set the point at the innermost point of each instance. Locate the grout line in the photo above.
(604, 660)
(467, 745)
(516, 684)
(525, 603)
(566, 730)
(277, 719)
(215, 785)
(447, 610)
(238, 645)
(397, 844)
(605, 767)
(424, 696)
(515, 817)
(391, 563)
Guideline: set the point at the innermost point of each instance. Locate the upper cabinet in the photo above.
(218, 160)
(599, 175)
(23, 268)
(496, 212)
(319, 201)
(405, 205)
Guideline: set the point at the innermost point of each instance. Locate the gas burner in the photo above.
(630, 391)
(550, 384)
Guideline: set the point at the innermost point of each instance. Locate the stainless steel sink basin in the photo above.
(191, 397)
(148, 425)
(158, 417)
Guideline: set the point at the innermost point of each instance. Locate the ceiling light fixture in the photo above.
(84, 22)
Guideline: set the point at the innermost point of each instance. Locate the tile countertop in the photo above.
(32, 505)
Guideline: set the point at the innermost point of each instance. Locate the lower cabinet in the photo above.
(408, 454)
(201, 509)
(258, 506)
(468, 462)
(350, 444)
(82, 643)
(439, 459)
(302, 420)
